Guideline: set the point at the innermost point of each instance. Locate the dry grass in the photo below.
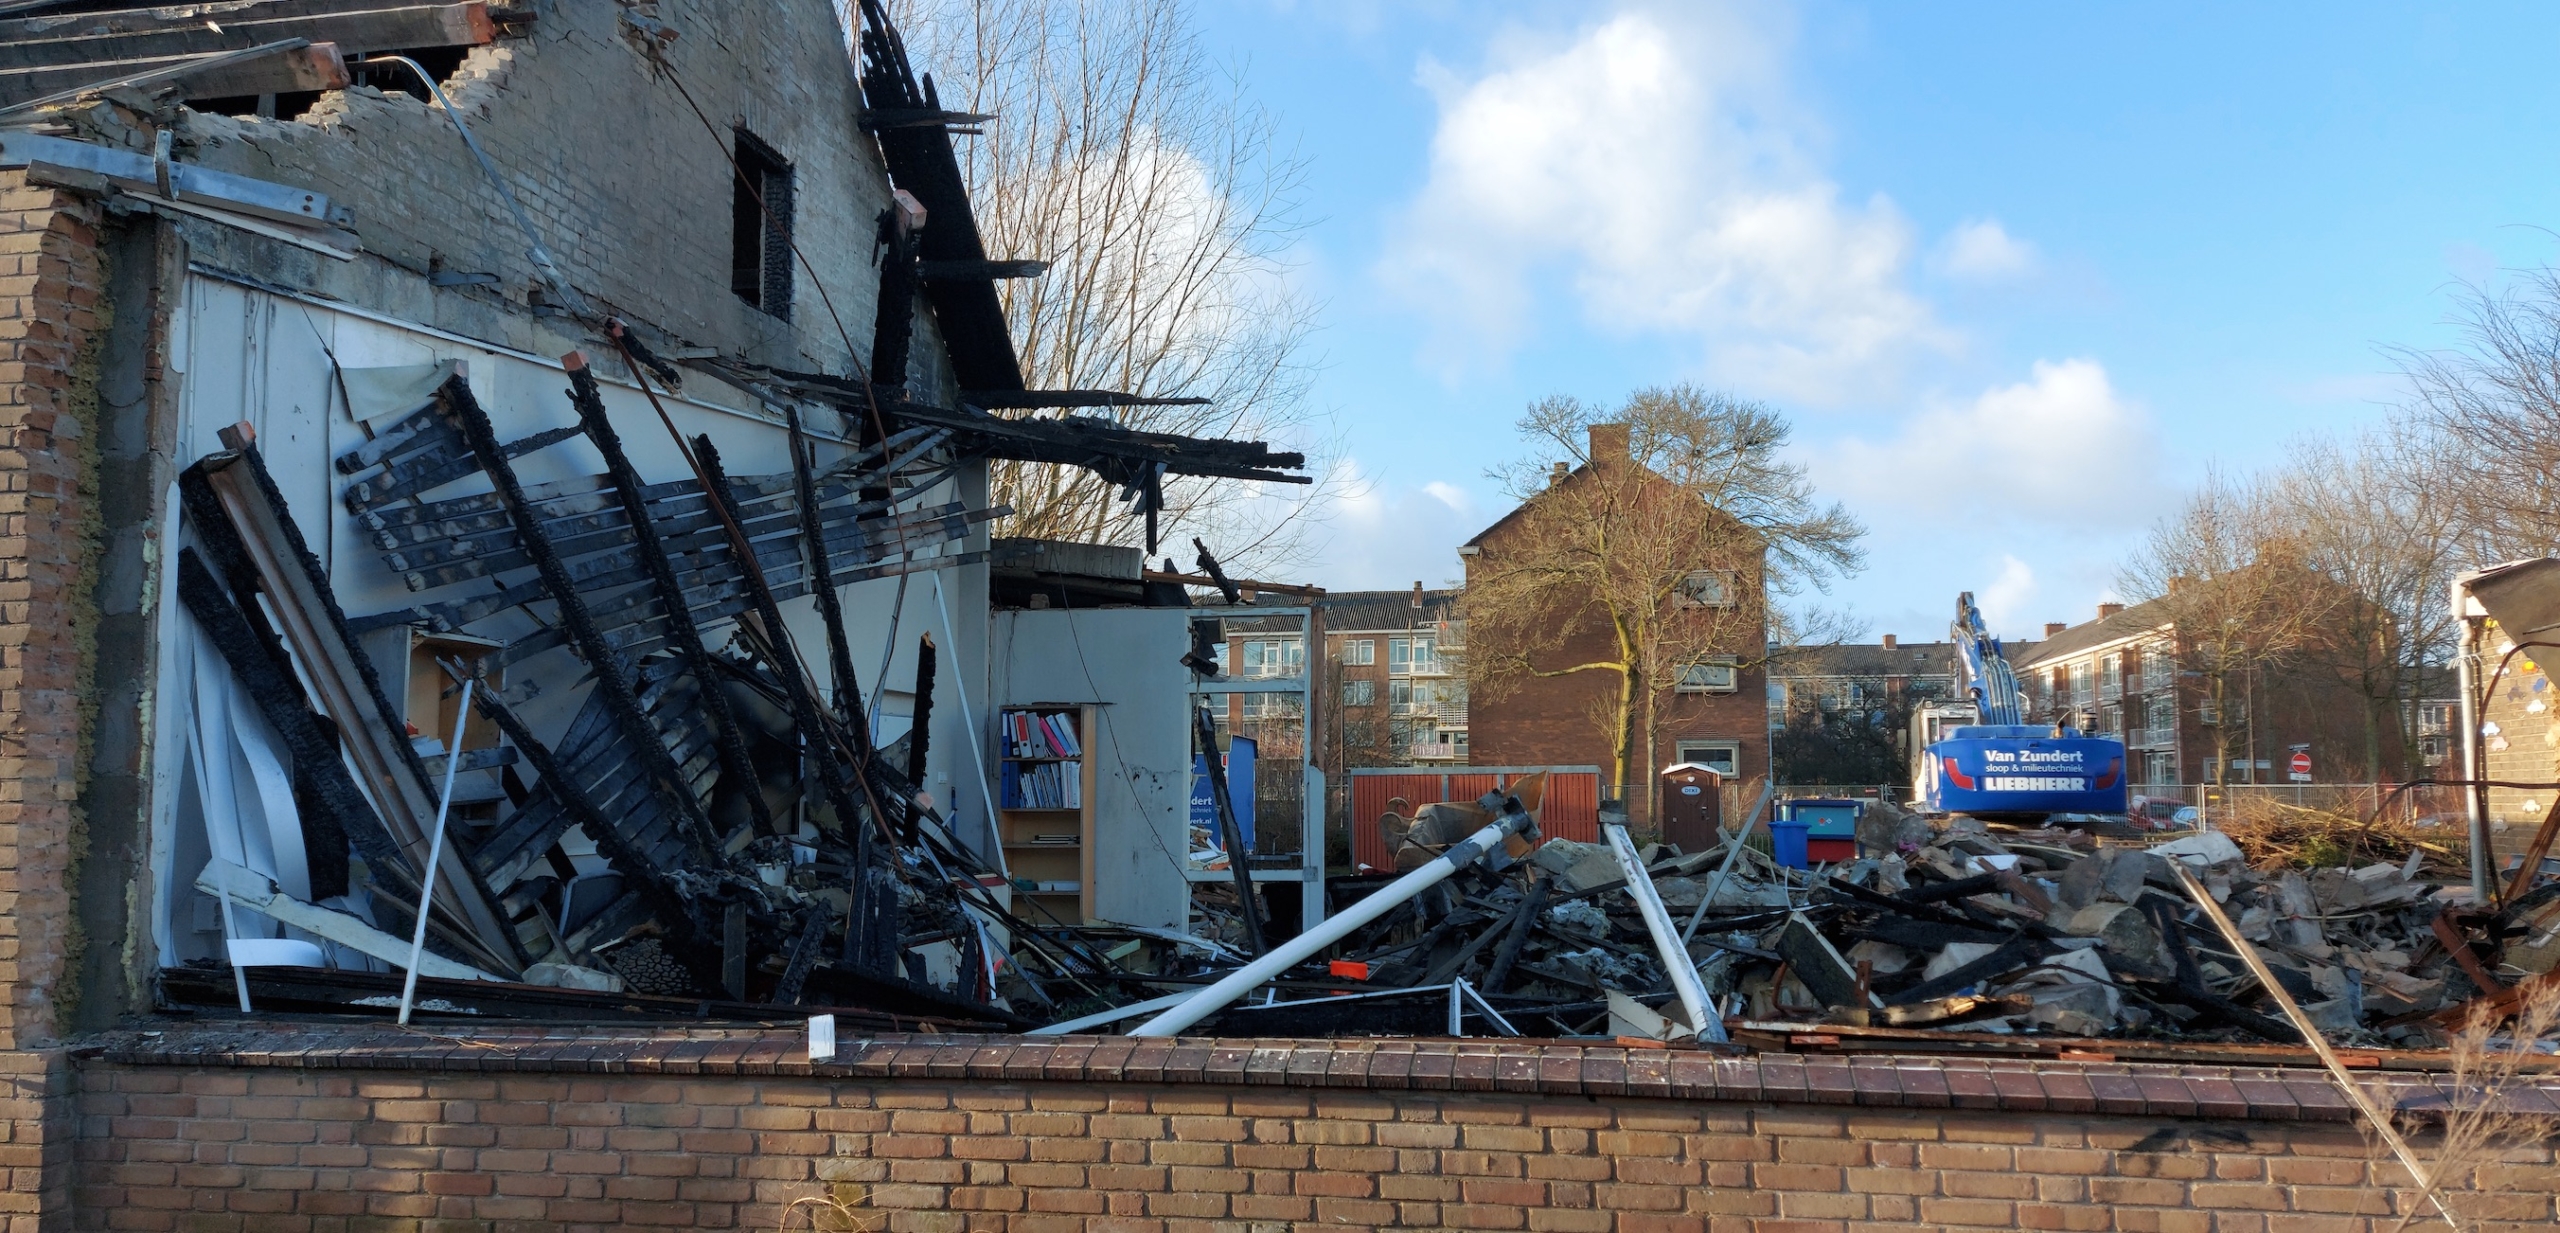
(2273, 835)
(2477, 1127)
(836, 1211)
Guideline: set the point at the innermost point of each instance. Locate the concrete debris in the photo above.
(1958, 926)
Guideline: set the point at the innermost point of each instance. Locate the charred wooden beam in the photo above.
(677, 615)
(611, 673)
(1027, 400)
(981, 269)
(243, 518)
(813, 541)
(872, 925)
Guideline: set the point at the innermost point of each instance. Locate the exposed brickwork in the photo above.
(50, 278)
(627, 188)
(974, 1133)
(50, 311)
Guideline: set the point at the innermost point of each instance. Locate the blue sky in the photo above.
(2018, 273)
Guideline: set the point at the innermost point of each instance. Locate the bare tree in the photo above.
(2496, 401)
(1161, 195)
(1672, 553)
(2380, 516)
(2233, 583)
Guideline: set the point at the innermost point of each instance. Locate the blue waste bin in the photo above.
(1787, 844)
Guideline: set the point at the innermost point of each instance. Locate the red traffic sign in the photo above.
(2301, 764)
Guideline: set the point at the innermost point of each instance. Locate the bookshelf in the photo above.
(1045, 786)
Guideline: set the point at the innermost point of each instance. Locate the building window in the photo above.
(1400, 697)
(1722, 757)
(1360, 652)
(1359, 693)
(2156, 671)
(1708, 678)
(2207, 712)
(2161, 769)
(1708, 588)
(2083, 682)
(2112, 720)
(1275, 657)
(760, 227)
(1270, 706)
(2111, 673)
(1413, 656)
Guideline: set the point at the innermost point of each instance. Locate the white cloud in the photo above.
(1656, 164)
(1984, 251)
(2031, 450)
(2005, 602)
(1383, 536)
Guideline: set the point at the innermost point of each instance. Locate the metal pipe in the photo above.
(2474, 797)
(435, 852)
(534, 248)
(1381, 901)
(2311, 1036)
(1731, 854)
(1675, 956)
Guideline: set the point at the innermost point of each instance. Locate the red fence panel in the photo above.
(1571, 809)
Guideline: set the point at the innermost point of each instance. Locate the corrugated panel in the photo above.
(1571, 810)
(1369, 797)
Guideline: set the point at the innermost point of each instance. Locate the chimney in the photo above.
(1417, 594)
(2054, 627)
(2108, 610)
(1608, 443)
(1556, 473)
(1888, 642)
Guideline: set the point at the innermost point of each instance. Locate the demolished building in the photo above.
(365, 390)
(358, 372)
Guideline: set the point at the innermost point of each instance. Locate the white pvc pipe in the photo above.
(1703, 1021)
(1296, 950)
(435, 852)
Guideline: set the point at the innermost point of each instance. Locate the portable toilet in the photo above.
(1692, 807)
(1830, 827)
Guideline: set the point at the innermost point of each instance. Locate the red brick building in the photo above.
(1712, 711)
(2129, 675)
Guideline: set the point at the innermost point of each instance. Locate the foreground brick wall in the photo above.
(516, 1131)
(51, 278)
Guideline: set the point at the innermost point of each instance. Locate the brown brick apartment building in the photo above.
(1709, 708)
(2129, 675)
(1396, 687)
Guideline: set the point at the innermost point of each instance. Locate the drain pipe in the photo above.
(1209, 1001)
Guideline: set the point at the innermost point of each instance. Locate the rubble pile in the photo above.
(1953, 925)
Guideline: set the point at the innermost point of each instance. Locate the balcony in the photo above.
(2111, 691)
(1436, 751)
(2151, 738)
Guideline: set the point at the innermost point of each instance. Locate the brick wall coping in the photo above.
(1496, 1066)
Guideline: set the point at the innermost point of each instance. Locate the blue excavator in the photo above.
(1980, 756)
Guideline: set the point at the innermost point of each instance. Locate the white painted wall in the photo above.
(1128, 662)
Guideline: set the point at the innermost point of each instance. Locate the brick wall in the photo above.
(628, 190)
(50, 313)
(514, 1130)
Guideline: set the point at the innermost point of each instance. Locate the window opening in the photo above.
(760, 227)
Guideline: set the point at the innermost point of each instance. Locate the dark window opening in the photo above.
(760, 228)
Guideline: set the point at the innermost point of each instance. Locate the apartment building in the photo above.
(1395, 678)
(2129, 675)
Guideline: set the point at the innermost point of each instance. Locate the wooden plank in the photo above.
(318, 66)
(379, 29)
(342, 677)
